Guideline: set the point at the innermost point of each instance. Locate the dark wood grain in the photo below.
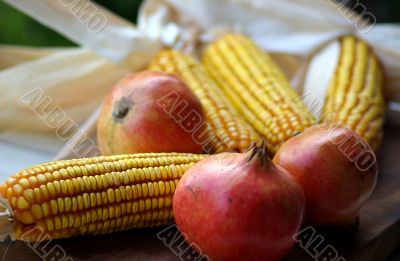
(377, 236)
(379, 231)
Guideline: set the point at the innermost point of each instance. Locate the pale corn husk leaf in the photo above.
(116, 38)
(76, 80)
(14, 55)
(318, 76)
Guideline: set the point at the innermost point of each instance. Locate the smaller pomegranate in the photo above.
(336, 169)
(235, 206)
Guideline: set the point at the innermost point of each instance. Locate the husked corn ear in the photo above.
(94, 195)
(355, 96)
(226, 130)
(257, 88)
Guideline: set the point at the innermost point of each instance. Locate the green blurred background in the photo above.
(18, 29)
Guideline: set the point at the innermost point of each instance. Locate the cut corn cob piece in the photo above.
(93, 195)
(227, 131)
(355, 95)
(257, 88)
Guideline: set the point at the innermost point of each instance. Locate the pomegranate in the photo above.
(235, 206)
(336, 169)
(150, 112)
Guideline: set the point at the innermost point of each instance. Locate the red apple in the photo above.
(150, 112)
(236, 206)
(336, 169)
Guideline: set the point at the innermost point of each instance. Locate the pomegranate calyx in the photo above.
(259, 152)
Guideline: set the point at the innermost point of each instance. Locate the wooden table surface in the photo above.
(376, 239)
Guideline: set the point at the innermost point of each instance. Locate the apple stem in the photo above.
(121, 109)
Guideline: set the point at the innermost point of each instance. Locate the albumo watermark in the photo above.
(190, 121)
(175, 240)
(55, 118)
(316, 246)
(356, 14)
(87, 13)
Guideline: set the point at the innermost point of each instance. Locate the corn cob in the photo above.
(355, 96)
(227, 131)
(257, 88)
(93, 195)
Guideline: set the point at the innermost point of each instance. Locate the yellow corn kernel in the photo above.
(119, 203)
(355, 95)
(257, 88)
(226, 130)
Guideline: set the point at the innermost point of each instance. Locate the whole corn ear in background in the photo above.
(355, 95)
(93, 195)
(227, 131)
(257, 88)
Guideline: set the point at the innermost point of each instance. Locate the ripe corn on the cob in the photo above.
(93, 195)
(355, 96)
(227, 131)
(257, 88)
